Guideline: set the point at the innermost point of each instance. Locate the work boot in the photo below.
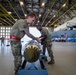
(45, 58)
(51, 62)
(16, 72)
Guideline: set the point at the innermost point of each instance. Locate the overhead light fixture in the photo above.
(25, 15)
(64, 5)
(43, 4)
(9, 13)
(55, 25)
(54, 15)
(49, 22)
(39, 15)
(21, 3)
(15, 19)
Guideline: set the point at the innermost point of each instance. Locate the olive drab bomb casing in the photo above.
(31, 53)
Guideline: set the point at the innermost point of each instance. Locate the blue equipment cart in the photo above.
(36, 68)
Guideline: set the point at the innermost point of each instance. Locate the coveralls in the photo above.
(2, 41)
(47, 43)
(19, 29)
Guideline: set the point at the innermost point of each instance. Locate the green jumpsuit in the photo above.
(47, 43)
(19, 29)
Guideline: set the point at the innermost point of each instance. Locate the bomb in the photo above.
(31, 53)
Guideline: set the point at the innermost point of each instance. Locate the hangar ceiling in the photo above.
(49, 12)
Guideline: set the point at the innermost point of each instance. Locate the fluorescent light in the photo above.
(15, 19)
(64, 5)
(49, 22)
(9, 12)
(39, 15)
(43, 4)
(21, 3)
(25, 15)
(54, 16)
(55, 25)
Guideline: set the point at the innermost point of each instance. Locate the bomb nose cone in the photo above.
(31, 53)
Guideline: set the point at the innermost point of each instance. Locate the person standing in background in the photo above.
(47, 43)
(2, 41)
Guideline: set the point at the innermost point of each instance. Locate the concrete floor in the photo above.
(65, 60)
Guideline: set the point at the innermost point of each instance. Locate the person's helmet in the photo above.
(31, 53)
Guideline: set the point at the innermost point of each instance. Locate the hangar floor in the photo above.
(65, 59)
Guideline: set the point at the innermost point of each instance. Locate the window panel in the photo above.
(1, 27)
(1, 33)
(5, 31)
(6, 36)
(1, 30)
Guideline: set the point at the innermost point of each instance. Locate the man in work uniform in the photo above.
(19, 29)
(46, 42)
(2, 40)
